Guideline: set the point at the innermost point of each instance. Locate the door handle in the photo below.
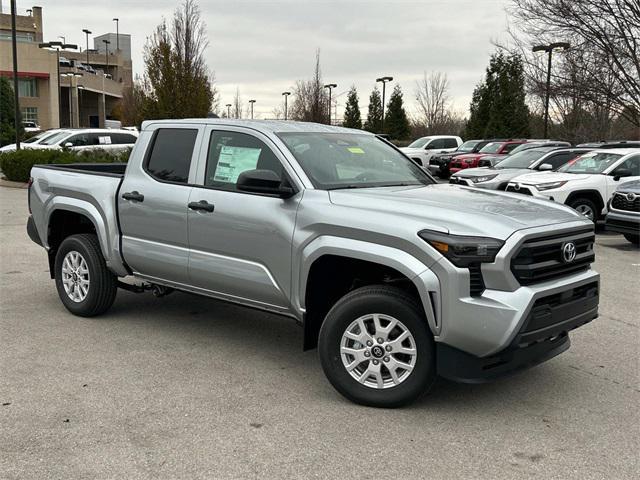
(202, 205)
(135, 196)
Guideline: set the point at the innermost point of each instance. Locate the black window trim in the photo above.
(152, 142)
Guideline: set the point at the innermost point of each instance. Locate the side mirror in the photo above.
(68, 145)
(545, 167)
(266, 182)
(621, 172)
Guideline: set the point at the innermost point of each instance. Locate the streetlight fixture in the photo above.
(71, 76)
(57, 46)
(64, 39)
(285, 95)
(252, 102)
(329, 86)
(228, 110)
(549, 49)
(87, 33)
(117, 20)
(106, 54)
(384, 81)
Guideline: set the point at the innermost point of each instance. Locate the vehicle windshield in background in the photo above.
(468, 146)
(522, 159)
(593, 162)
(492, 147)
(37, 137)
(346, 160)
(419, 143)
(56, 137)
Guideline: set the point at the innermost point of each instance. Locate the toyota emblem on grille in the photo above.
(569, 252)
(631, 196)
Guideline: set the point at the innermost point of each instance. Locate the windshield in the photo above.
(468, 146)
(492, 147)
(419, 143)
(347, 160)
(37, 137)
(522, 159)
(592, 162)
(55, 138)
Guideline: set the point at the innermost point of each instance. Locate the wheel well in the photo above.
(62, 224)
(333, 276)
(592, 195)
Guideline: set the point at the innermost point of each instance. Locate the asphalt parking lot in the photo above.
(187, 387)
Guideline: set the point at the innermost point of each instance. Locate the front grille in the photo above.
(622, 202)
(458, 181)
(476, 282)
(541, 259)
(522, 190)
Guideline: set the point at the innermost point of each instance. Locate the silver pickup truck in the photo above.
(394, 278)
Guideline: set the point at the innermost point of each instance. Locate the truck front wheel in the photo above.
(84, 283)
(376, 348)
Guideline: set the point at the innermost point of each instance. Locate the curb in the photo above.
(10, 184)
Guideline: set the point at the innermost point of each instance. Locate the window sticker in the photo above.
(356, 150)
(104, 140)
(235, 160)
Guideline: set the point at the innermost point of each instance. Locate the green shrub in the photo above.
(16, 166)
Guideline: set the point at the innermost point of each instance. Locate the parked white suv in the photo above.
(422, 149)
(88, 139)
(586, 183)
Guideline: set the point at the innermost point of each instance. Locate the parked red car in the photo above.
(470, 160)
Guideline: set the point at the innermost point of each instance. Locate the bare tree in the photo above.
(237, 104)
(310, 99)
(434, 103)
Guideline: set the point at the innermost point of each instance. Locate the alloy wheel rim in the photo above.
(585, 210)
(75, 276)
(378, 351)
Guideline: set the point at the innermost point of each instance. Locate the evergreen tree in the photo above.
(7, 113)
(352, 110)
(396, 123)
(498, 107)
(374, 115)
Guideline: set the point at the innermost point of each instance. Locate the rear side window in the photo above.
(450, 143)
(171, 152)
(510, 146)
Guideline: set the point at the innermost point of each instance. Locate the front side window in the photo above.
(436, 144)
(558, 159)
(593, 162)
(521, 159)
(348, 160)
(171, 152)
(632, 164)
(231, 153)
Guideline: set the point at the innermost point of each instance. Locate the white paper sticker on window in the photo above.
(235, 160)
(104, 140)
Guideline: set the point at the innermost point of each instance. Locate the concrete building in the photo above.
(85, 97)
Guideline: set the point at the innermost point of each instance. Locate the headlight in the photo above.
(484, 178)
(550, 186)
(463, 251)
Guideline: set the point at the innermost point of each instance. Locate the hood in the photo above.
(470, 156)
(454, 209)
(412, 150)
(548, 177)
(629, 187)
(482, 171)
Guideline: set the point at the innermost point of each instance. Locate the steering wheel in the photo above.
(365, 176)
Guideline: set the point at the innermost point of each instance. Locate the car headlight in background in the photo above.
(551, 185)
(484, 178)
(463, 251)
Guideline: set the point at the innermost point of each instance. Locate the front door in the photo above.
(240, 249)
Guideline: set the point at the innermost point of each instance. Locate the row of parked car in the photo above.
(596, 179)
(78, 139)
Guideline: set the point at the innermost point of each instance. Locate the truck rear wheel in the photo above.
(84, 283)
(376, 348)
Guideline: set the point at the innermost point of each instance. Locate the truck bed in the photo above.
(104, 169)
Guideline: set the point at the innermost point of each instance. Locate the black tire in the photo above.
(103, 284)
(635, 239)
(383, 300)
(585, 202)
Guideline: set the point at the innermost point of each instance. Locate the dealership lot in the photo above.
(187, 386)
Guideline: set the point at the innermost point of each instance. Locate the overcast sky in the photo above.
(262, 47)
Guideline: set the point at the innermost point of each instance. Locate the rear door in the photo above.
(153, 202)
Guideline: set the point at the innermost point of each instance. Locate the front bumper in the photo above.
(490, 185)
(555, 195)
(623, 222)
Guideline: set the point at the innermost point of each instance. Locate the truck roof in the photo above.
(266, 126)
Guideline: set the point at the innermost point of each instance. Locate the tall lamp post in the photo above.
(384, 81)
(285, 95)
(106, 54)
(329, 86)
(252, 102)
(14, 51)
(87, 33)
(549, 49)
(228, 110)
(57, 46)
(117, 20)
(71, 76)
(80, 90)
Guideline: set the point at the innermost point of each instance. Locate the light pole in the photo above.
(329, 86)
(64, 39)
(549, 49)
(252, 102)
(14, 50)
(57, 46)
(106, 54)
(71, 76)
(117, 34)
(384, 81)
(228, 110)
(87, 33)
(285, 95)
(80, 90)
